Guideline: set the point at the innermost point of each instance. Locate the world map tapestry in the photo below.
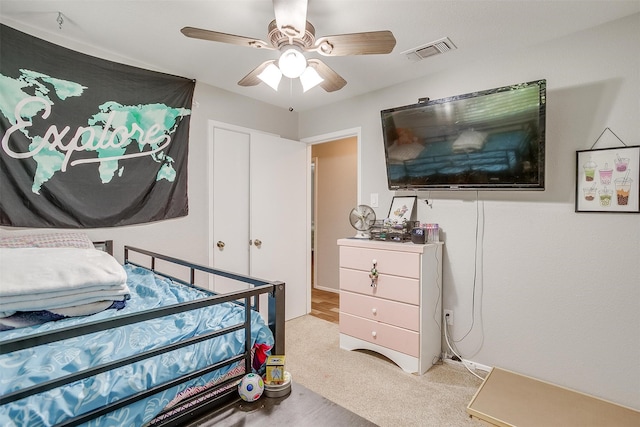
(87, 142)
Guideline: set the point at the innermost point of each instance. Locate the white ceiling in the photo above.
(146, 33)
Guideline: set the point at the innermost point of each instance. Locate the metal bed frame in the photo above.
(249, 299)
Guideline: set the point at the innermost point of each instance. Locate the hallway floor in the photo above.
(325, 305)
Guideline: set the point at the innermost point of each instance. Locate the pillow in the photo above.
(405, 152)
(47, 240)
(469, 140)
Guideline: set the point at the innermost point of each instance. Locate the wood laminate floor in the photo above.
(325, 305)
(302, 407)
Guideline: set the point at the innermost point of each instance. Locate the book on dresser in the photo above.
(391, 300)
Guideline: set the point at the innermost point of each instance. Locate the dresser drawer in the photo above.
(394, 288)
(393, 313)
(392, 337)
(388, 262)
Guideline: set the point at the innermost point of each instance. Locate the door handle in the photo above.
(220, 244)
(257, 242)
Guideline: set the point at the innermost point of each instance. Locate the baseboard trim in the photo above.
(476, 366)
(324, 288)
(470, 364)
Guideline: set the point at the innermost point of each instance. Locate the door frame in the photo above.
(314, 216)
(332, 136)
(328, 137)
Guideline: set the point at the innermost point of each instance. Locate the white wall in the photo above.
(557, 293)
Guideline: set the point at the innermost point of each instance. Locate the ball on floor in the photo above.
(251, 387)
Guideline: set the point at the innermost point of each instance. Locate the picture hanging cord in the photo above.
(60, 20)
(607, 129)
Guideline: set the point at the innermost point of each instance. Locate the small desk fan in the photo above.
(362, 218)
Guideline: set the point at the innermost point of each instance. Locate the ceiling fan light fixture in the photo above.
(292, 63)
(271, 75)
(310, 78)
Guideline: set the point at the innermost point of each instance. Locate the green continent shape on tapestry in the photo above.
(13, 91)
(125, 124)
(108, 134)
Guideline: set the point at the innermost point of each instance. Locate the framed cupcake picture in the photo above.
(607, 180)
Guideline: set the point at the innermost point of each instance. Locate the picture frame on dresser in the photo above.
(607, 180)
(402, 208)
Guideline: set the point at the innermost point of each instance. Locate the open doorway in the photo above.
(334, 187)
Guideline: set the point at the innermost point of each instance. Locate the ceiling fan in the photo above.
(292, 35)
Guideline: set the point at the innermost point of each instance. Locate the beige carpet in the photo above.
(371, 385)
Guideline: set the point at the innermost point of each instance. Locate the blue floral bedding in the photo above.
(36, 365)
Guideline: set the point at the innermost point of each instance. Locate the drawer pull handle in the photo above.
(374, 311)
(373, 334)
(373, 274)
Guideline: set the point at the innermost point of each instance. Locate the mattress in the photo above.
(33, 366)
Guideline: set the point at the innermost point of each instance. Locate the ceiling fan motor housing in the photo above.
(278, 39)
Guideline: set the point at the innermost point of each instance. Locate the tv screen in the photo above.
(492, 139)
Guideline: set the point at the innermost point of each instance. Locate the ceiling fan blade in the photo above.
(332, 80)
(291, 17)
(252, 79)
(371, 43)
(198, 33)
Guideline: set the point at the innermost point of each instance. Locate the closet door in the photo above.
(278, 216)
(230, 205)
(259, 199)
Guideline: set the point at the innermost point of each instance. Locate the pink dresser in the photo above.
(400, 316)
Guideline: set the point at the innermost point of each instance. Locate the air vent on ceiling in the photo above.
(434, 48)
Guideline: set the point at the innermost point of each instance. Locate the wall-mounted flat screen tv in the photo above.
(488, 140)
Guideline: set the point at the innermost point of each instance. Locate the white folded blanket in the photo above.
(51, 278)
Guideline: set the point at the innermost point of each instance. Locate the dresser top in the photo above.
(390, 246)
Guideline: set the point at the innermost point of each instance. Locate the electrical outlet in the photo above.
(448, 315)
